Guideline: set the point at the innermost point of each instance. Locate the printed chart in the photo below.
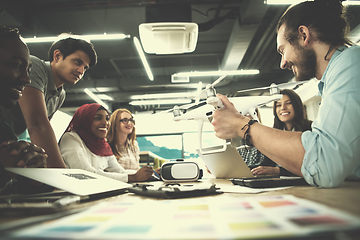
(200, 218)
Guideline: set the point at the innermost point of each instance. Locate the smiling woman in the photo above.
(121, 137)
(83, 146)
(289, 115)
(289, 112)
(100, 124)
(92, 132)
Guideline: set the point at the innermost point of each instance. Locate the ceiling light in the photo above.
(96, 98)
(283, 2)
(105, 97)
(290, 2)
(350, 2)
(179, 79)
(143, 58)
(164, 95)
(217, 73)
(85, 37)
(160, 102)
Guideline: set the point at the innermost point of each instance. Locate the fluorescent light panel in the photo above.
(218, 73)
(283, 2)
(105, 97)
(160, 102)
(96, 98)
(290, 2)
(143, 58)
(164, 95)
(179, 79)
(350, 2)
(85, 37)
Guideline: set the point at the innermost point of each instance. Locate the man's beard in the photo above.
(306, 64)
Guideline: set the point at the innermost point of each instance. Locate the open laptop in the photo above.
(75, 181)
(228, 164)
(225, 164)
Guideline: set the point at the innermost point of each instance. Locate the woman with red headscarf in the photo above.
(83, 146)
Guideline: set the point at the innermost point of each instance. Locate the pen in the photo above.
(156, 174)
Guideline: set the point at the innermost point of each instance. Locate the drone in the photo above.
(244, 105)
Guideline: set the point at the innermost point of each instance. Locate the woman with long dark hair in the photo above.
(289, 115)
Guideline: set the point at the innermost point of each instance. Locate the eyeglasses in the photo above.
(126, 120)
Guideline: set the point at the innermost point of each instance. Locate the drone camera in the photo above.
(176, 111)
(274, 89)
(210, 92)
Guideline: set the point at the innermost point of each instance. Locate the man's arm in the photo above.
(32, 104)
(283, 147)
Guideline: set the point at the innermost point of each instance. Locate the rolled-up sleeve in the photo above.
(332, 148)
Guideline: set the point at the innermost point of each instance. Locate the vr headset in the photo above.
(180, 171)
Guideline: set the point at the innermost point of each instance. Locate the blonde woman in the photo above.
(122, 139)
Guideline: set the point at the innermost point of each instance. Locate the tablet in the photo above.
(269, 182)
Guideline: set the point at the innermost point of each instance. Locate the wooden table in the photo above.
(345, 198)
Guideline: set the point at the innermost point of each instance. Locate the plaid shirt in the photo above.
(130, 156)
(254, 158)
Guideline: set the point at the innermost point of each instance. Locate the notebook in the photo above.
(75, 181)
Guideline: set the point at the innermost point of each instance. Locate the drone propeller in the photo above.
(202, 93)
(217, 81)
(176, 107)
(182, 107)
(273, 85)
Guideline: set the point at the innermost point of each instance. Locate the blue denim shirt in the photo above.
(332, 149)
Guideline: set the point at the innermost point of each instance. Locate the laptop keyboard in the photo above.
(79, 176)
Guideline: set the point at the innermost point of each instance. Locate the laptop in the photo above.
(75, 181)
(226, 162)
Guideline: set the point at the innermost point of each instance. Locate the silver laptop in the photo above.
(75, 181)
(226, 163)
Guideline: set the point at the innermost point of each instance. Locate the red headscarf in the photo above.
(81, 124)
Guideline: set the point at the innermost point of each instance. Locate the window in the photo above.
(165, 146)
(177, 146)
(191, 142)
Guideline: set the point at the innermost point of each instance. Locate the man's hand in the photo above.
(22, 154)
(228, 122)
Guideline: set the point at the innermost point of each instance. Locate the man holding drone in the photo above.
(311, 39)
